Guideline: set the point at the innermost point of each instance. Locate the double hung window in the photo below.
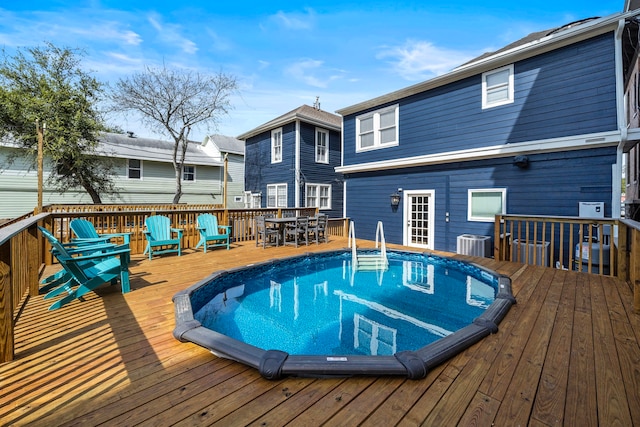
(497, 87)
(276, 145)
(377, 129)
(277, 196)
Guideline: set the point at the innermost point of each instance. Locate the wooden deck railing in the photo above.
(22, 253)
(20, 261)
(596, 245)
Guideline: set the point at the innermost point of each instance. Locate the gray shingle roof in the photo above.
(133, 147)
(228, 144)
(304, 113)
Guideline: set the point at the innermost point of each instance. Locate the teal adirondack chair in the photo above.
(90, 271)
(86, 232)
(161, 238)
(210, 231)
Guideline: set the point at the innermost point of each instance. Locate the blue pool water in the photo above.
(318, 305)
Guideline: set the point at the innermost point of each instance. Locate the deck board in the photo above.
(566, 353)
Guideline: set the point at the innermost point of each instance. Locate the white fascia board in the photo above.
(581, 142)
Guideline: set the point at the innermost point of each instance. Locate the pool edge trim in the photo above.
(275, 364)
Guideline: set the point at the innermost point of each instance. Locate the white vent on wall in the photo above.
(474, 245)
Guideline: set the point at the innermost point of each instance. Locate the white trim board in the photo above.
(581, 142)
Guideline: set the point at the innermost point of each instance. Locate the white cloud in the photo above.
(170, 34)
(311, 72)
(295, 21)
(420, 60)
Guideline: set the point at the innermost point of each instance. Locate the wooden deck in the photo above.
(567, 353)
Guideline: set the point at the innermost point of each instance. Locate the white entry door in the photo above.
(419, 209)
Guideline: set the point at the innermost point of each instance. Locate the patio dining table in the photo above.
(281, 222)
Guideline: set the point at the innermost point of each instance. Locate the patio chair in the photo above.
(268, 235)
(318, 228)
(296, 231)
(161, 238)
(210, 231)
(55, 283)
(89, 271)
(85, 231)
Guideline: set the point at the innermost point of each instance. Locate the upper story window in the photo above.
(497, 87)
(188, 173)
(276, 145)
(378, 129)
(277, 196)
(322, 146)
(134, 169)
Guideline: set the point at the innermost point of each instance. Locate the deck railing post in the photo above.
(6, 305)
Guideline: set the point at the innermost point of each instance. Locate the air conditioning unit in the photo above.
(522, 249)
(474, 245)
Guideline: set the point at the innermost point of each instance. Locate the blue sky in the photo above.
(285, 53)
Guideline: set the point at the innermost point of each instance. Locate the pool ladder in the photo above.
(369, 262)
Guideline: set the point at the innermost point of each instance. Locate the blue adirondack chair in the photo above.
(90, 271)
(86, 232)
(161, 238)
(58, 282)
(210, 231)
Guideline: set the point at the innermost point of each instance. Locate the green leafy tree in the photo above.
(46, 85)
(172, 102)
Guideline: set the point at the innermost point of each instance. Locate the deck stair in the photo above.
(369, 262)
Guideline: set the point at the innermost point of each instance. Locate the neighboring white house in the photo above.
(144, 170)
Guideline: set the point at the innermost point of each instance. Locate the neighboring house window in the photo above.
(497, 87)
(485, 203)
(378, 129)
(276, 146)
(188, 173)
(322, 146)
(277, 196)
(134, 169)
(318, 196)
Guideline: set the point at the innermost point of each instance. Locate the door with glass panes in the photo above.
(419, 218)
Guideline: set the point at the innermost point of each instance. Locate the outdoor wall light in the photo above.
(395, 199)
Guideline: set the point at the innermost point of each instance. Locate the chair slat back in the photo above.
(209, 222)
(159, 227)
(83, 229)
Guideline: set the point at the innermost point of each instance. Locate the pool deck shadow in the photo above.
(565, 353)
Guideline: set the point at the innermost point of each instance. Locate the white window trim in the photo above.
(510, 88)
(276, 186)
(317, 197)
(376, 129)
(274, 159)
(194, 173)
(470, 193)
(326, 147)
(129, 169)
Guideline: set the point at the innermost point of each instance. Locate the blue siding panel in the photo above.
(569, 91)
(320, 173)
(574, 176)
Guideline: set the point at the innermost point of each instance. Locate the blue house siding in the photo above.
(320, 173)
(568, 91)
(259, 171)
(583, 175)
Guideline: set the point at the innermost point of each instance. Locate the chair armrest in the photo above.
(227, 228)
(118, 250)
(178, 230)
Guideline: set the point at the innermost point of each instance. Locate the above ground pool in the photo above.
(316, 315)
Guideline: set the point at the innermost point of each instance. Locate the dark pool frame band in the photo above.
(275, 364)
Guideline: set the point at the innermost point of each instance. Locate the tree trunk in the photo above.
(178, 194)
(95, 197)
